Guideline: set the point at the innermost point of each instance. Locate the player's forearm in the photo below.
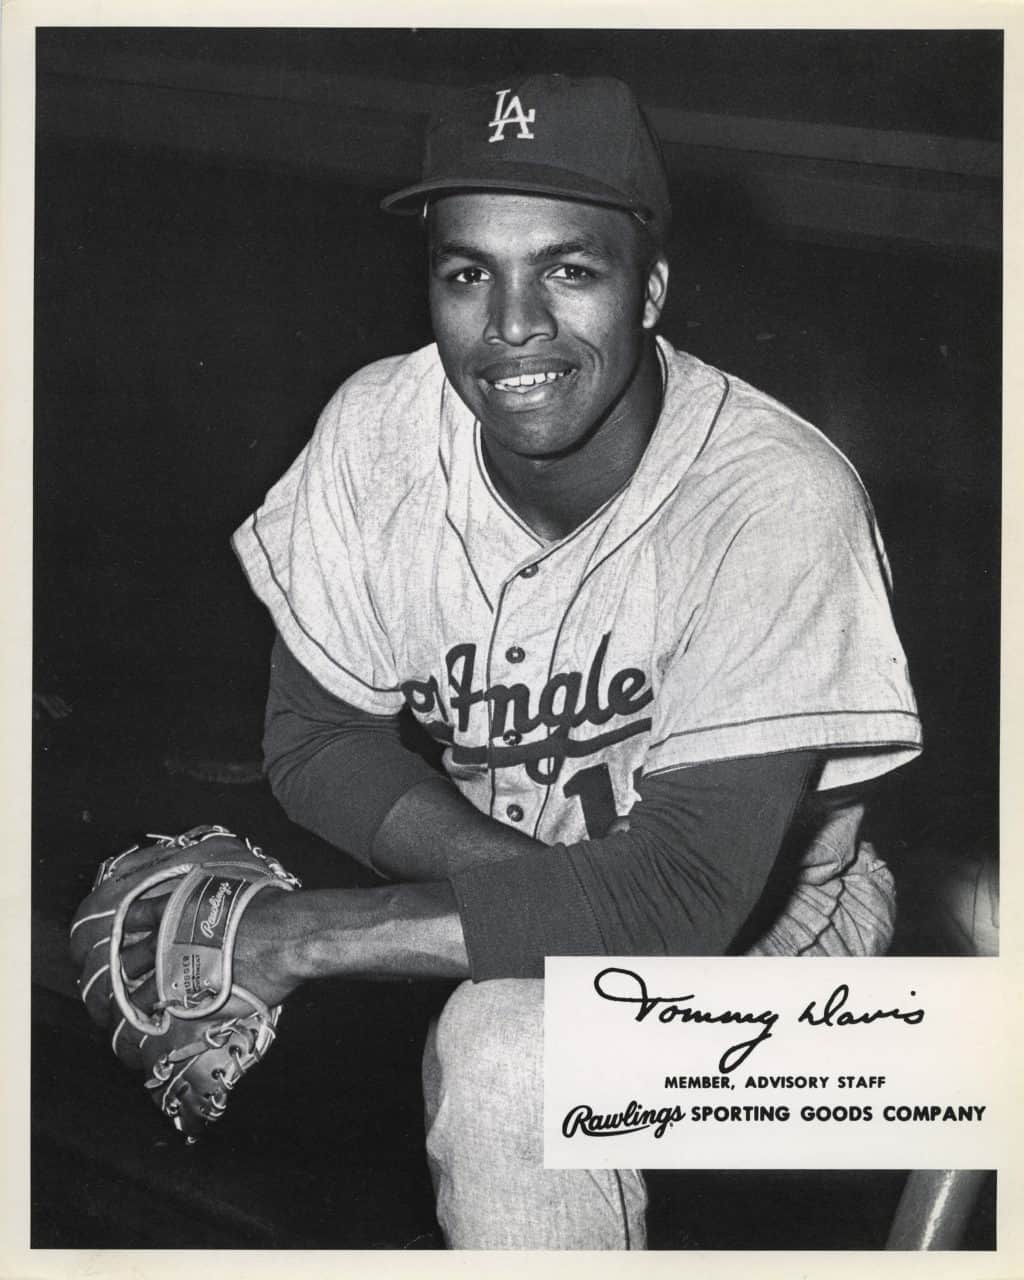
(684, 879)
(432, 833)
(346, 775)
(429, 833)
(400, 931)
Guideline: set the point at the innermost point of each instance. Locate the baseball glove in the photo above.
(202, 1032)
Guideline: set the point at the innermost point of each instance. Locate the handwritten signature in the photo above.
(627, 987)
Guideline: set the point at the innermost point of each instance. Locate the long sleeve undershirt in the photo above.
(683, 879)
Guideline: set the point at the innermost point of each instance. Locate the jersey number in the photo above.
(597, 797)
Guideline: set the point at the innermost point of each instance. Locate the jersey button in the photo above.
(529, 571)
(511, 737)
(515, 812)
(515, 653)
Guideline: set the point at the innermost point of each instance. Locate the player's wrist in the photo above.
(269, 948)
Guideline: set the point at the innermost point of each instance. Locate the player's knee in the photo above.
(490, 1041)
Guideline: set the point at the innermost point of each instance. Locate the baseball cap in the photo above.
(579, 139)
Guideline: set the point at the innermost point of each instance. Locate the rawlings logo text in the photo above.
(634, 1118)
(208, 926)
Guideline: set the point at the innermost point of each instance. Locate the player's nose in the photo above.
(517, 314)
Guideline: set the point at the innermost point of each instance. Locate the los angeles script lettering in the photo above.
(567, 701)
(626, 987)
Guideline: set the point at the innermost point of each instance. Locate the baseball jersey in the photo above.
(731, 600)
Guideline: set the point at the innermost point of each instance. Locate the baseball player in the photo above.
(643, 608)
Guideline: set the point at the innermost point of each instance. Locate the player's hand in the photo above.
(260, 959)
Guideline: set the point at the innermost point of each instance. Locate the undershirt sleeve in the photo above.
(683, 879)
(336, 770)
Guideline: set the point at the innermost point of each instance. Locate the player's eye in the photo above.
(571, 272)
(467, 275)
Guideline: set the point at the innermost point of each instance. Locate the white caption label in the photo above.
(774, 1063)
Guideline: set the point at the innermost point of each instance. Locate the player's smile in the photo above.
(531, 382)
(542, 309)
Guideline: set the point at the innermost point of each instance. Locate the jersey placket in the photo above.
(517, 663)
(523, 704)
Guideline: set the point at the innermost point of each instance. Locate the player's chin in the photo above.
(540, 441)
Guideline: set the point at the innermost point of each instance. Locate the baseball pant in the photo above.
(483, 1086)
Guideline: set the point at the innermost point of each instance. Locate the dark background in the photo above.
(210, 263)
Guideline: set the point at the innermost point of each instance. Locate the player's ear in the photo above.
(656, 291)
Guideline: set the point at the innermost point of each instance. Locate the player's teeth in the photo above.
(524, 381)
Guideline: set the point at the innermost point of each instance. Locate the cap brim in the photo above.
(529, 179)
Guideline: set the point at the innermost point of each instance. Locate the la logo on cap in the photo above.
(511, 114)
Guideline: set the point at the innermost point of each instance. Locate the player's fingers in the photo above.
(144, 996)
(96, 913)
(94, 920)
(139, 959)
(144, 914)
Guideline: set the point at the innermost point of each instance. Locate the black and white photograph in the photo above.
(498, 493)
